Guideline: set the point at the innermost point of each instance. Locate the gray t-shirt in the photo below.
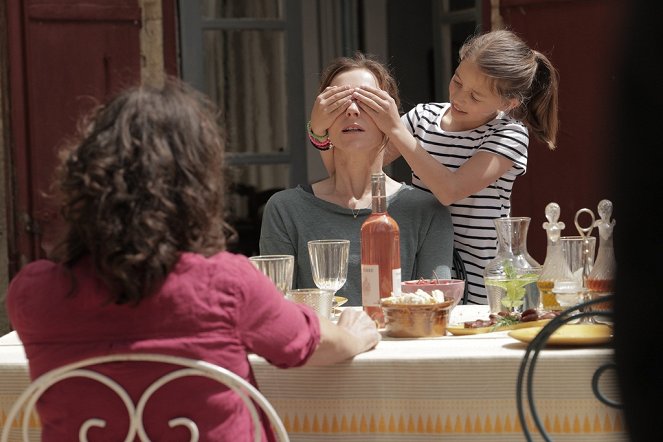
(293, 217)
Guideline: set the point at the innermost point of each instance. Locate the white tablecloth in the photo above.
(455, 388)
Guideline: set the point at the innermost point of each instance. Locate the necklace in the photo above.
(355, 212)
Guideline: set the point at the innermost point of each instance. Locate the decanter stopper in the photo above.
(553, 228)
(600, 281)
(604, 224)
(555, 270)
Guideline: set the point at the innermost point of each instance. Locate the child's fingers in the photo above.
(368, 101)
(375, 99)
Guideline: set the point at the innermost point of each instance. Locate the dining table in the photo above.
(450, 388)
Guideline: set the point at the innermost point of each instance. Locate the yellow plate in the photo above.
(570, 334)
(340, 300)
(460, 330)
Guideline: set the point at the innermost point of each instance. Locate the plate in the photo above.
(460, 330)
(340, 300)
(570, 334)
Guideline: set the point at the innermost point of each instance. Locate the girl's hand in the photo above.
(331, 103)
(380, 106)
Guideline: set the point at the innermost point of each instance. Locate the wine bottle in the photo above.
(380, 253)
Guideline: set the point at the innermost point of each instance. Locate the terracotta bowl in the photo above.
(416, 320)
(452, 288)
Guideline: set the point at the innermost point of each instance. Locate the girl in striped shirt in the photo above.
(468, 152)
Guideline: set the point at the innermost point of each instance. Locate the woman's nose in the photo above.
(353, 109)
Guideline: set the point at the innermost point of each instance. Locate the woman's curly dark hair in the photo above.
(142, 185)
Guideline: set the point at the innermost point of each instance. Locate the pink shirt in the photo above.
(216, 309)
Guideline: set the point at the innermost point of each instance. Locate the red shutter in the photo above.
(65, 57)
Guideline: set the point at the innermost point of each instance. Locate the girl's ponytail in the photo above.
(541, 116)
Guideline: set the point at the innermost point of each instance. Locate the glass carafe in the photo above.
(556, 271)
(510, 278)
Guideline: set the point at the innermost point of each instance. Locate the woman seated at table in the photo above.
(336, 207)
(142, 268)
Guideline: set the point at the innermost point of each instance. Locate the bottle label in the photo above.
(396, 282)
(370, 285)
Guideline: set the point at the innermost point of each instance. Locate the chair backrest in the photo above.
(250, 396)
(459, 272)
(525, 380)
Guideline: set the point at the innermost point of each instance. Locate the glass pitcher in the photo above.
(510, 278)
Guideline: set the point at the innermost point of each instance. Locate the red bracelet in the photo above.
(320, 145)
(320, 142)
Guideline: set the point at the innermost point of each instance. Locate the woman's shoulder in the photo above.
(411, 198)
(224, 271)
(190, 261)
(288, 195)
(39, 267)
(40, 272)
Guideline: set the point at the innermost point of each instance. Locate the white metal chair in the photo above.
(185, 367)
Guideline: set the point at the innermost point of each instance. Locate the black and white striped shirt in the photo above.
(474, 229)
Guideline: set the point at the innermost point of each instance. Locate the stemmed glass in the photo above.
(329, 262)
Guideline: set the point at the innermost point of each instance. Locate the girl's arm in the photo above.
(448, 186)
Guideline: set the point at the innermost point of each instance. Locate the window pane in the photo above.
(245, 75)
(212, 9)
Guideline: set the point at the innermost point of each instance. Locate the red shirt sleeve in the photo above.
(284, 333)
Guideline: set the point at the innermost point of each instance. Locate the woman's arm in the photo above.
(331, 103)
(391, 154)
(448, 186)
(355, 333)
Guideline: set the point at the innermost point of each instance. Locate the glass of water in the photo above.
(329, 262)
(279, 268)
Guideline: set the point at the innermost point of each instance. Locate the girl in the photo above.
(468, 152)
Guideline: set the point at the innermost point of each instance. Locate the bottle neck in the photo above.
(378, 193)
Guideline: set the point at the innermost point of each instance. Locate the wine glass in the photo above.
(278, 268)
(329, 262)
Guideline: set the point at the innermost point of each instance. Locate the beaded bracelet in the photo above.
(320, 138)
(319, 142)
(324, 145)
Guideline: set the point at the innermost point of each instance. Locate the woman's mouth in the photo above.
(352, 129)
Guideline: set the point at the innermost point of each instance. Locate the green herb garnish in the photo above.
(513, 284)
(505, 321)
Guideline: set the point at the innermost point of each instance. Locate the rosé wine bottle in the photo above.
(380, 253)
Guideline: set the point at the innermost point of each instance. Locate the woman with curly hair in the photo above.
(143, 268)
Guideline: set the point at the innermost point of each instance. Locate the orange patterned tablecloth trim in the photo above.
(606, 422)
